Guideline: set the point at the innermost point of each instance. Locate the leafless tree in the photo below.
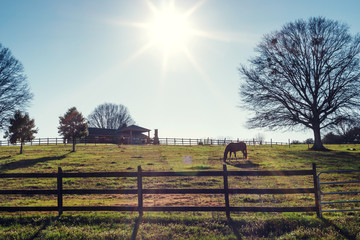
(260, 138)
(110, 116)
(14, 90)
(305, 75)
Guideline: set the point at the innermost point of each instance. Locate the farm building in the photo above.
(132, 134)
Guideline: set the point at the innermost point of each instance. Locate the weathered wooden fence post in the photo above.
(226, 191)
(60, 191)
(316, 188)
(140, 194)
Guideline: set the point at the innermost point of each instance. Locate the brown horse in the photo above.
(233, 148)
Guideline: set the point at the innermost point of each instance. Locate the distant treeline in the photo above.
(349, 136)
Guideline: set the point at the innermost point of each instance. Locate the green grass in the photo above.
(174, 225)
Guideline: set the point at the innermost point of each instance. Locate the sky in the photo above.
(173, 64)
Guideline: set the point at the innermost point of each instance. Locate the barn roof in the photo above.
(102, 132)
(134, 128)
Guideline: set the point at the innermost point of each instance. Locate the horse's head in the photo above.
(225, 153)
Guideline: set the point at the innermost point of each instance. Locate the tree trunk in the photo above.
(318, 145)
(74, 142)
(21, 147)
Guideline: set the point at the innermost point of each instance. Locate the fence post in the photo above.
(226, 191)
(316, 188)
(60, 191)
(140, 195)
(289, 142)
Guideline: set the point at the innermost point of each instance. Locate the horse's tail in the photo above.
(226, 153)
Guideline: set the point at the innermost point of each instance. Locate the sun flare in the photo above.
(169, 29)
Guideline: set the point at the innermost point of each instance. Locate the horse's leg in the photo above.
(235, 155)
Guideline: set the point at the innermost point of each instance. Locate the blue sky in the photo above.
(87, 52)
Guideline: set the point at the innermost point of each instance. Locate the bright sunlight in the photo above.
(169, 28)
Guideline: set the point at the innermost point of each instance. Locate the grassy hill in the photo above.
(91, 158)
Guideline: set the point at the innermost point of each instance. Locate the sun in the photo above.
(169, 29)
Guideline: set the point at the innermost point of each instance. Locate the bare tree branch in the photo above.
(14, 90)
(110, 116)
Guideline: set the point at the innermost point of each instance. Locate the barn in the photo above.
(132, 134)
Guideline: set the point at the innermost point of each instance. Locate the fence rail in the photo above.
(162, 141)
(140, 191)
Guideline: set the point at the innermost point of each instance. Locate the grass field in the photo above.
(173, 225)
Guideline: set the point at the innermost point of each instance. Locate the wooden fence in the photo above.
(162, 141)
(140, 191)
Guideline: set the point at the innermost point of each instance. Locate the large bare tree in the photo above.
(110, 116)
(306, 74)
(14, 90)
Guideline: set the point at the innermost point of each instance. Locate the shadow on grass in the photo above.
(42, 223)
(342, 231)
(136, 227)
(43, 226)
(28, 163)
(6, 157)
(234, 228)
(246, 164)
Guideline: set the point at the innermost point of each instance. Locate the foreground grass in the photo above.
(90, 158)
(178, 226)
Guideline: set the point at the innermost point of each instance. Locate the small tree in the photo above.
(73, 126)
(21, 129)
